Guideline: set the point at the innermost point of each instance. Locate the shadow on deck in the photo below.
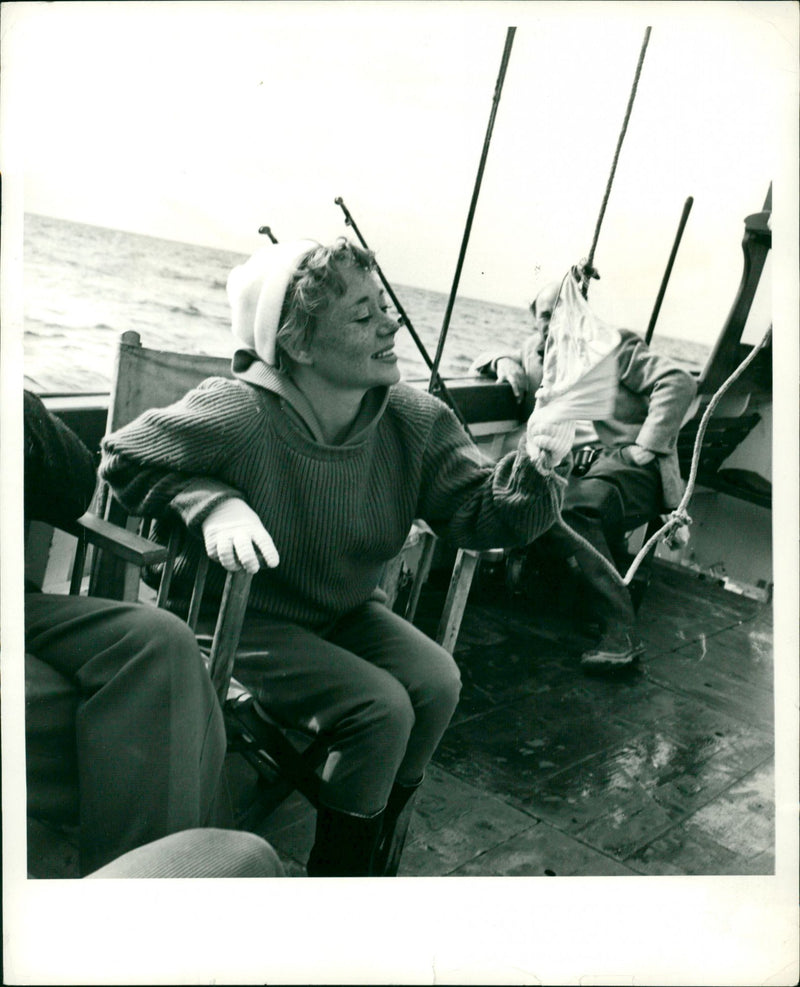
(667, 769)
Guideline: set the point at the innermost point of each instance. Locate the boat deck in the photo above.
(544, 770)
(664, 769)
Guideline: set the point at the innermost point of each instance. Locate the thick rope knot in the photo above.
(678, 518)
(549, 442)
(676, 529)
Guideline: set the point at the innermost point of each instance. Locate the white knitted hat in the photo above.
(256, 290)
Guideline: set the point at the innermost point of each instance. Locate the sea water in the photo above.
(84, 285)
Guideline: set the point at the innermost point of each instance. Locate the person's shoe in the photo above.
(615, 650)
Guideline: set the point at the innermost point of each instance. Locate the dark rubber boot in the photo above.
(344, 845)
(396, 820)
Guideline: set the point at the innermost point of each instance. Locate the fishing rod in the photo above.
(687, 208)
(439, 387)
(634, 87)
(476, 190)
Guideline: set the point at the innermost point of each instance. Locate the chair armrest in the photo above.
(126, 545)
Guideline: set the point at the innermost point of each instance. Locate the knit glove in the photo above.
(637, 455)
(549, 442)
(235, 538)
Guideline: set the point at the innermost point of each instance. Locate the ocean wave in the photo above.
(80, 293)
(189, 309)
(174, 275)
(40, 327)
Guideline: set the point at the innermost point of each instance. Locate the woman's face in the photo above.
(353, 344)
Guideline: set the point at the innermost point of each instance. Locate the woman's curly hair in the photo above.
(317, 279)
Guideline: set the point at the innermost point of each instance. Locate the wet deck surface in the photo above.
(668, 769)
(544, 770)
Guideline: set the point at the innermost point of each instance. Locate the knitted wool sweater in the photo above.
(335, 513)
(59, 472)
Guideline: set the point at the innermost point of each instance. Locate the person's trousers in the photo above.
(197, 853)
(611, 499)
(378, 690)
(136, 719)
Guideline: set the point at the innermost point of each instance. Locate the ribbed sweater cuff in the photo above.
(199, 498)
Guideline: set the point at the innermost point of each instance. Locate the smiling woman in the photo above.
(308, 470)
(352, 348)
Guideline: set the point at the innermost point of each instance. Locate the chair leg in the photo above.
(252, 733)
(460, 585)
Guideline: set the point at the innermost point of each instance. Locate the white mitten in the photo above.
(549, 442)
(638, 455)
(235, 537)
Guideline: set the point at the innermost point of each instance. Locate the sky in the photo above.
(201, 121)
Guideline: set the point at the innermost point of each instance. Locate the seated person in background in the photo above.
(308, 469)
(121, 717)
(626, 469)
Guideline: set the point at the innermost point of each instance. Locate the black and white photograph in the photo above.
(399, 480)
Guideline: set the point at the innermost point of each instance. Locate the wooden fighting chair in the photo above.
(146, 378)
(111, 553)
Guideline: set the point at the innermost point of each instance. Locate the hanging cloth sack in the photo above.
(579, 372)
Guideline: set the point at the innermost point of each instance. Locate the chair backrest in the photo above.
(145, 378)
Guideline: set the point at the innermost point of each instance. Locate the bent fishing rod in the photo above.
(438, 385)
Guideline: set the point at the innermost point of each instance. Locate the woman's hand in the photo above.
(235, 537)
(513, 372)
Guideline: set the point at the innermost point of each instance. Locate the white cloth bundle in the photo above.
(579, 375)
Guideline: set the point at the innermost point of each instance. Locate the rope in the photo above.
(590, 262)
(677, 517)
